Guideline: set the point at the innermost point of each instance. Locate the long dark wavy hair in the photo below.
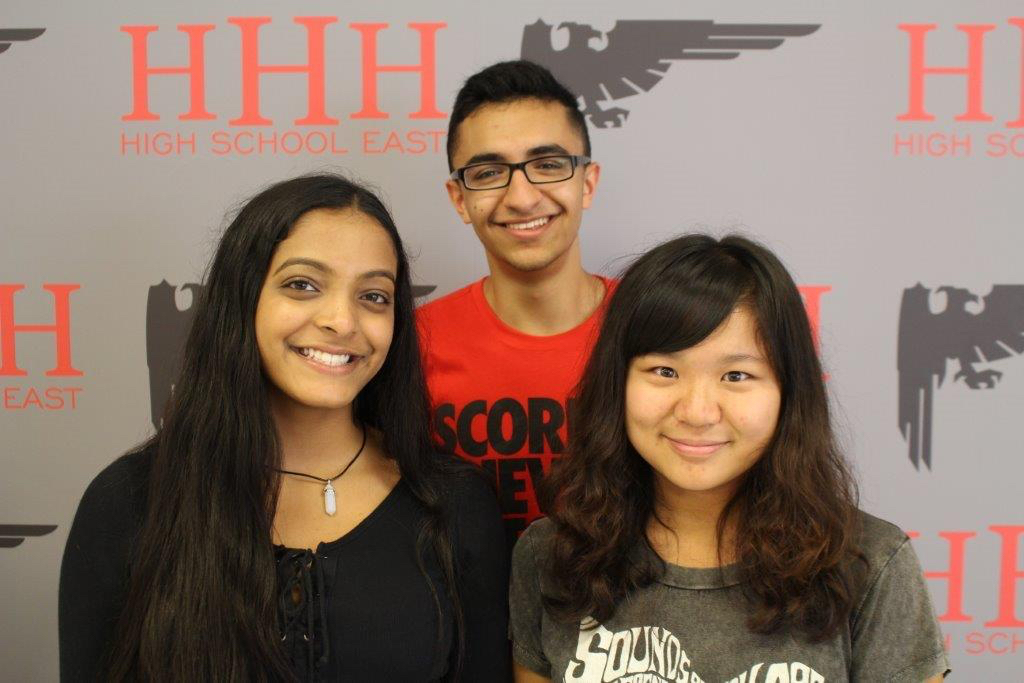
(201, 603)
(795, 513)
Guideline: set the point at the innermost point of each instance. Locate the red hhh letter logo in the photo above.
(253, 70)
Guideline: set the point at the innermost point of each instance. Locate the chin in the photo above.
(531, 265)
(318, 401)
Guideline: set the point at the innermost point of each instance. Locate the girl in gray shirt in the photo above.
(703, 525)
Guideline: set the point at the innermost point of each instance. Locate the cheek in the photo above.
(379, 331)
(276, 321)
(759, 415)
(644, 408)
(276, 318)
(479, 206)
(570, 198)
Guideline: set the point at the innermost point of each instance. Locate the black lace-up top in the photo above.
(354, 609)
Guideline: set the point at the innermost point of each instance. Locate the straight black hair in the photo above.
(201, 602)
(510, 82)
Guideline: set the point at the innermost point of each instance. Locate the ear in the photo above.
(457, 196)
(591, 174)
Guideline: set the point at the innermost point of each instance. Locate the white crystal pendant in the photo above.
(330, 506)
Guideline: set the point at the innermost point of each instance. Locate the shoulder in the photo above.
(610, 285)
(471, 491)
(472, 504)
(539, 533)
(118, 492)
(532, 546)
(879, 540)
(889, 556)
(94, 571)
(109, 517)
(529, 580)
(460, 299)
(893, 621)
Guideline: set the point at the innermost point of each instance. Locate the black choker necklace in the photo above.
(330, 505)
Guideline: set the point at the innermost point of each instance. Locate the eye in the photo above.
(735, 376)
(549, 164)
(666, 372)
(379, 298)
(485, 172)
(301, 285)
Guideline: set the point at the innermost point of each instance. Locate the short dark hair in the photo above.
(509, 82)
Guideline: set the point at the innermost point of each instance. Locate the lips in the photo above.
(696, 448)
(327, 359)
(528, 226)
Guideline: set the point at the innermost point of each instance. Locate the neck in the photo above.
(686, 529)
(544, 302)
(314, 441)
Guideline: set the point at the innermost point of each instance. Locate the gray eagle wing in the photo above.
(13, 535)
(8, 36)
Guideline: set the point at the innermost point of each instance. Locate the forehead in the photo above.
(338, 237)
(737, 332)
(509, 129)
(736, 336)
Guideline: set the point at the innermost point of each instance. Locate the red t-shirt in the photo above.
(498, 396)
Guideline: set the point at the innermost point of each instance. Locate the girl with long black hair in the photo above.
(703, 524)
(290, 520)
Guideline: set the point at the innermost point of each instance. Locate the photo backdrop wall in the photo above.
(878, 148)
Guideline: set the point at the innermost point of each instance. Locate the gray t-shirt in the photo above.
(690, 626)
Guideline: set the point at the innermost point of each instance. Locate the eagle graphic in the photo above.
(638, 53)
(167, 328)
(9, 36)
(927, 340)
(13, 535)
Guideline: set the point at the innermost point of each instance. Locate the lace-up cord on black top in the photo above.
(301, 609)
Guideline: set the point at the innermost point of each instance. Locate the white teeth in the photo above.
(330, 359)
(535, 223)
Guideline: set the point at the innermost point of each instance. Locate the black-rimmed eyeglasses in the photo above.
(494, 175)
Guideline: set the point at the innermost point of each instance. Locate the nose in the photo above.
(521, 195)
(337, 314)
(697, 404)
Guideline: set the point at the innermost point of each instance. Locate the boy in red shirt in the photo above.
(502, 354)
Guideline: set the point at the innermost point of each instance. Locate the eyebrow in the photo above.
(378, 273)
(742, 357)
(538, 151)
(312, 263)
(324, 268)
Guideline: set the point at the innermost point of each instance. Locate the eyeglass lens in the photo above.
(542, 170)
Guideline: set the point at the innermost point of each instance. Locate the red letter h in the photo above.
(252, 70)
(973, 71)
(61, 329)
(954, 575)
(427, 69)
(141, 71)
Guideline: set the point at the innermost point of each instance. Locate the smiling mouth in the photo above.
(529, 225)
(695, 448)
(330, 360)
